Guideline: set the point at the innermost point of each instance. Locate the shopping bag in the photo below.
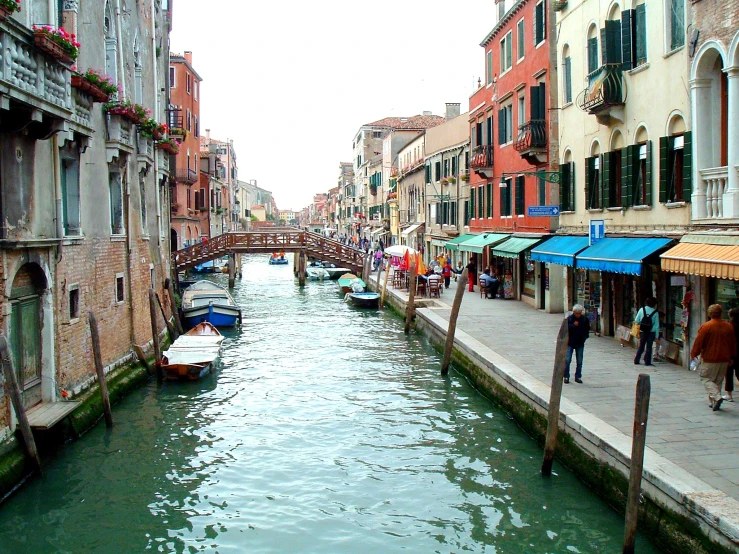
(635, 329)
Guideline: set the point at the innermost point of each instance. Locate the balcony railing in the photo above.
(605, 89)
(482, 157)
(713, 182)
(188, 176)
(531, 135)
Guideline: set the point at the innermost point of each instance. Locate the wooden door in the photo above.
(25, 344)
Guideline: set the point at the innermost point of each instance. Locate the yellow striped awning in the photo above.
(708, 260)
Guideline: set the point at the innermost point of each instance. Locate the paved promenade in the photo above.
(682, 428)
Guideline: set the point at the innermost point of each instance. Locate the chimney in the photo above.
(452, 110)
(188, 57)
(207, 135)
(426, 113)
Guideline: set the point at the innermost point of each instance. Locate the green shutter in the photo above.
(473, 135)
(542, 188)
(501, 126)
(603, 47)
(480, 202)
(568, 79)
(564, 180)
(489, 195)
(454, 165)
(640, 16)
(428, 174)
(664, 167)
(572, 187)
(592, 54)
(520, 195)
(627, 51)
(687, 166)
(605, 179)
(472, 203)
(648, 183)
(627, 177)
(589, 162)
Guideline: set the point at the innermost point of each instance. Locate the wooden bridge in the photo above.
(278, 239)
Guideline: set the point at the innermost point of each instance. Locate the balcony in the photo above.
(187, 176)
(606, 94)
(531, 141)
(713, 202)
(482, 160)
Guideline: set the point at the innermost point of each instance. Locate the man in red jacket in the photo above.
(716, 345)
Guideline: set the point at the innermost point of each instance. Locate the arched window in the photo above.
(138, 70)
(641, 165)
(675, 165)
(111, 43)
(592, 48)
(592, 178)
(567, 183)
(566, 75)
(614, 193)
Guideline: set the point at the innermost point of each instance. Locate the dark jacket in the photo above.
(471, 268)
(577, 334)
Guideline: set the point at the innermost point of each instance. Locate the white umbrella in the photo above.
(399, 250)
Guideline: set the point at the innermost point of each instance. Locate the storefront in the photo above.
(557, 258)
(512, 260)
(452, 245)
(479, 245)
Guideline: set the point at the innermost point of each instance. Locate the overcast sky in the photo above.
(292, 81)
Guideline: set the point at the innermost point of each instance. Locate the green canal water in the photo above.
(325, 429)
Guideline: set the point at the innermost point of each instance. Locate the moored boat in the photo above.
(363, 299)
(351, 283)
(206, 301)
(192, 355)
(211, 266)
(316, 273)
(337, 272)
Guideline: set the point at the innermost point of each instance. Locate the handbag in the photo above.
(635, 329)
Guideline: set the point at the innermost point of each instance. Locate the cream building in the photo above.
(625, 157)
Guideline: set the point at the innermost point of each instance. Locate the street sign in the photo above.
(597, 230)
(543, 211)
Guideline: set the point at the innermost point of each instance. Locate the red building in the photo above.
(509, 140)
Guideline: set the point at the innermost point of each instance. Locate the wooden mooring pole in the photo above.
(384, 287)
(155, 332)
(231, 271)
(461, 284)
(95, 336)
(301, 268)
(639, 440)
(15, 397)
(555, 397)
(411, 308)
(173, 307)
(170, 327)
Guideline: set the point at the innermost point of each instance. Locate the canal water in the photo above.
(325, 429)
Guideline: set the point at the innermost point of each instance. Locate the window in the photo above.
(172, 79)
(675, 168)
(197, 128)
(542, 192)
(452, 213)
(676, 21)
(188, 82)
(505, 125)
(120, 295)
(478, 133)
(520, 195)
(521, 111)
(505, 197)
(613, 189)
(472, 203)
(74, 302)
(70, 177)
(489, 131)
(480, 201)
(501, 10)
(489, 203)
(111, 43)
(592, 53)
(437, 171)
(567, 77)
(592, 183)
(640, 30)
(642, 174)
(467, 212)
(567, 187)
(189, 123)
(520, 38)
(489, 67)
(195, 89)
(611, 43)
(506, 52)
(115, 186)
(540, 32)
(142, 198)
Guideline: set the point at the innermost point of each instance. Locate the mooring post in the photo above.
(17, 400)
(384, 287)
(301, 268)
(95, 336)
(154, 332)
(231, 270)
(170, 326)
(239, 264)
(555, 396)
(410, 309)
(173, 307)
(639, 440)
(461, 284)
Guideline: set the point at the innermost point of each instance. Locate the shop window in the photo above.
(676, 316)
(726, 293)
(592, 183)
(675, 167)
(529, 280)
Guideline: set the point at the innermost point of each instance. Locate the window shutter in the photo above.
(627, 54)
(648, 182)
(640, 17)
(592, 54)
(687, 166)
(438, 214)
(603, 47)
(454, 165)
(613, 41)
(489, 195)
(479, 133)
(501, 126)
(589, 163)
(542, 186)
(539, 23)
(664, 167)
(428, 174)
(571, 185)
(467, 212)
(472, 203)
(534, 103)
(509, 51)
(438, 171)
(473, 135)
(542, 101)
(627, 175)
(568, 79)
(520, 194)
(564, 189)
(605, 179)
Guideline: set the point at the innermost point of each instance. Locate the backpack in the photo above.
(646, 321)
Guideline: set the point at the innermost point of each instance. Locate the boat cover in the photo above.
(198, 349)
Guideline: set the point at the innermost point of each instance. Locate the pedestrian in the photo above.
(648, 320)
(734, 365)
(446, 272)
(486, 280)
(578, 329)
(471, 274)
(716, 345)
(378, 258)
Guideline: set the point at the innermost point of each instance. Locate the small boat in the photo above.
(316, 273)
(337, 272)
(363, 299)
(206, 301)
(211, 266)
(278, 261)
(192, 355)
(351, 283)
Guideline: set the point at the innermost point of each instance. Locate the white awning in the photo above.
(412, 229)
(379, 232)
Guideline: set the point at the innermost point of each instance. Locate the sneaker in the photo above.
(728, 398)
(567, 380)
(578, 380)
(717, 404)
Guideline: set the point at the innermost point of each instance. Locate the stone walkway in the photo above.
(681, 427)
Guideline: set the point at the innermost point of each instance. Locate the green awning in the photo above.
(477, 243)
(513, 247)
(453, 244)
(438, 242)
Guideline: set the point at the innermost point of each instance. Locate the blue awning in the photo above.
(619, 255)
(560, 250)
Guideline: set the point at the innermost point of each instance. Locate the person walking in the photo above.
(446, 272)
(716, 345)
(648, 320)
(734, 364)
(471, 275)
(578, 330)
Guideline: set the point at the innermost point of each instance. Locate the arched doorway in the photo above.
(25, 330)
(174, 245)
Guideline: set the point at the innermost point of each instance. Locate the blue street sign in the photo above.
(597, 230)
(543, 211)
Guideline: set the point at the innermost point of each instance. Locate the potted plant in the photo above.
(168, 145)
(452, 180)
(175, 206)
(203, 208)
(559, 5)
(220, 210)
(465, 177)
(444, 181)
(57, 43)
(8, 8)
(95, 83)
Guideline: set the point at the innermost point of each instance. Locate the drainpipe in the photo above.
(58, 195)
(155, 73)
(119, 49)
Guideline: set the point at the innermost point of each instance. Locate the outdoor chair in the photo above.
(434, 288)
(483, 288)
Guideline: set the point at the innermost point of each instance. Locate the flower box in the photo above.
(5, 13)
(97, 94)
(168, 146)
(8, 8)
(559, 5)
(56, 43)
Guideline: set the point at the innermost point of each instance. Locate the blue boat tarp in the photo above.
(620, 255)
(560, 250)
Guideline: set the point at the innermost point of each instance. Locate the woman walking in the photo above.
(734, 364)
(471, 274)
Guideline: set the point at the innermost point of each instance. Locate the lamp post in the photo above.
(548, 176)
